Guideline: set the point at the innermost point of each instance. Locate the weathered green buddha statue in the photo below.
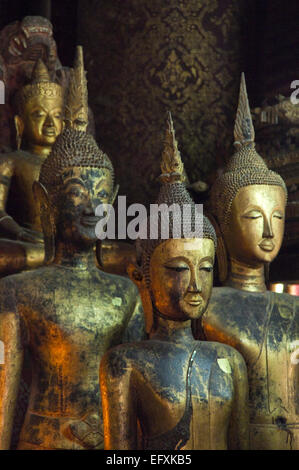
(248, 202)
(66, 313)
(38, 122)
(181, 393)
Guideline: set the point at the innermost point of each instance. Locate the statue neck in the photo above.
(40, 150)
(67, 255)
(170, 330)
(246, 277)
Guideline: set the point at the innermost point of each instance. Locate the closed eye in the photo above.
(177, 269)
(253, 214)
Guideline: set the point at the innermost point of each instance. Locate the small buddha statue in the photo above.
(38, 122)
(248, 204)
(66, 313)
(171, 391)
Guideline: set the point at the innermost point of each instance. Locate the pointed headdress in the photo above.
(40, 85)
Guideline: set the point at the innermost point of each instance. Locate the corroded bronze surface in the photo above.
(262, 326)
(68, 313)
(180, 393)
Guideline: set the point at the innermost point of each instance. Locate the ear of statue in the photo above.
(221, 251)
(47, 220)
(135, 274)
(19, 124)
(115, 192)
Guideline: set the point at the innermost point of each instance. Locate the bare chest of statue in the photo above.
(184, 399)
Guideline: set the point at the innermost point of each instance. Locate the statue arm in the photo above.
(10, 364)
(118, 401)
(238, 438)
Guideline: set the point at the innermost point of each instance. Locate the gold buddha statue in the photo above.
(171, 391)
(38, 122)
(66, 313)
(248, 202)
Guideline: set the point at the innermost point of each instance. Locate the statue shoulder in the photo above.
(223, 353)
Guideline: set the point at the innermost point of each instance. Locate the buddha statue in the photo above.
(66, 313)
(248, 204)
(171, 391)
(38, 122)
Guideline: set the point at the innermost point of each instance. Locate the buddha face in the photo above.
(83, 189)
(42, 120)
(181, 272)
(256, 227)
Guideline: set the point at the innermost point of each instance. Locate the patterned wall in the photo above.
(146, 57)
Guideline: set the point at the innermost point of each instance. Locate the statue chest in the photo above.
(73, 326)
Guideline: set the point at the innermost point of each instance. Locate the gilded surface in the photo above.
(178, 55)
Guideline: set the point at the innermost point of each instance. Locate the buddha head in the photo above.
(74, 179)
(175, 275)
(76, 107)
(248, 200)
(40, 111)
